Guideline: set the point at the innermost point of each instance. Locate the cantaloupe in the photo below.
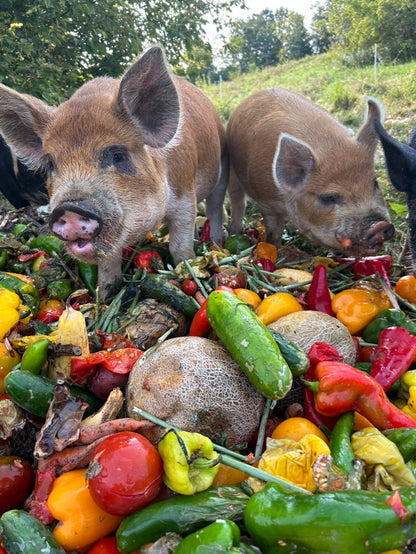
(306, 327)
(194, 384)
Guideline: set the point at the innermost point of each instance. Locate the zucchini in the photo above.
(34, 393)
(295, 357)
(159, 288)
(181, 514)
(22, 533)
(249, 342)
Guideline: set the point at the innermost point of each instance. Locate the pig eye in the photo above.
(119, 157)
(330, 200)
(49, 165)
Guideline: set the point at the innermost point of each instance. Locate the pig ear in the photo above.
(293, 164)
(148, 95)
(23, 119)
(400, 160)
(366, 134)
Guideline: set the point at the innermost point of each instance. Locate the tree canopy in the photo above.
(50, 47)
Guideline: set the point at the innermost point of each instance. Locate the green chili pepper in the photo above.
(357, 521)
(89, 276)
(49, 244)
(340, 442)
(405, 440)
(220, 535)
(387, 318)
(60, 289)
(35, 356)
(27, 292)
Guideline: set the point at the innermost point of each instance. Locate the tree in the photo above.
(50, 47)
(320, 36)
(359, 24)
(254, 42)
(293, 34)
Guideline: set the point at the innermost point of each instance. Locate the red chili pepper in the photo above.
(205, 232)
(44, 481)
(319, 297)
(49, 315)
(395, 351)
(318, 352)
(341, 388)
(200, 326)
(32, 256)
(371, 265)
(118, 361)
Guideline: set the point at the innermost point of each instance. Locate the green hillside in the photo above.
(342, 91)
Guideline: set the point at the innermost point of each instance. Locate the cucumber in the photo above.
(249, 342)
(181, 514)
(159, 288)
(22, 533)
(34, 393)
(295, 357)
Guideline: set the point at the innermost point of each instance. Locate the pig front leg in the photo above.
(411, 206)
(238, 203)
(109, 276)
(215, 202)
(181, 222)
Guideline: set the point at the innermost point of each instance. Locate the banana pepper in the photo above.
(189, 461)
(410, 407)
(356, 307)
(80, 521)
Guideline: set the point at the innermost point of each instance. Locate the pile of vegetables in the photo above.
(247, 400)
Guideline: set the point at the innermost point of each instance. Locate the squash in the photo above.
(306, 327)
(288, 276)
(194, 384)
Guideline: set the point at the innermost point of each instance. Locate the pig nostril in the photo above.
(389, 232)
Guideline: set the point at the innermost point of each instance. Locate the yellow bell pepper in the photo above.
(383, 463)
(291, 460)
(8, 359)
(277, 305)
(410, 407)
(356, 307)
(80, 521)
(10, 303)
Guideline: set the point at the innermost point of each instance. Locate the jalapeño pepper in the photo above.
(221, 535)
(405, 440)
(344, 521)
(89, 276)
(387, 318)
(35, 356)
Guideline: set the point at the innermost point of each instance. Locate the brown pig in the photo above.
(121, 156)
(303, 167)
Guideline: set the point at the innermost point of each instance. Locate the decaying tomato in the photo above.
(16, 482)
(148, 260)
(125, 473)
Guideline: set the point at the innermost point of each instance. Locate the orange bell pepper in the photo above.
(80, 521)
(356, 307)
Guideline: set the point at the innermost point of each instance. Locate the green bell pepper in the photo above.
(219, 536)
(49, 244)
(387, 318)
(346, 521)
(60, 289)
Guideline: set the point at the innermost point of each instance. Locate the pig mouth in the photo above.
(81, 248)
(371, 242)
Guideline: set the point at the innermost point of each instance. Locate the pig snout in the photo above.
(377, 234)
(76, 224)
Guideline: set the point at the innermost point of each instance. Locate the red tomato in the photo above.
(144, 258)
(49, 315)
(125, 473)
(189, 287)
(108, 545)
(16, 482)
(265, 264)
(2, 549)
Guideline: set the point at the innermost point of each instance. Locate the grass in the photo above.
(342, 91)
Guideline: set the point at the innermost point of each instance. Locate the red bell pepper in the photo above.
(318, 352)
(395, 351)
(373, 264)
(341, 388)
(200, 326)
(118, 361)
(319, 297)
